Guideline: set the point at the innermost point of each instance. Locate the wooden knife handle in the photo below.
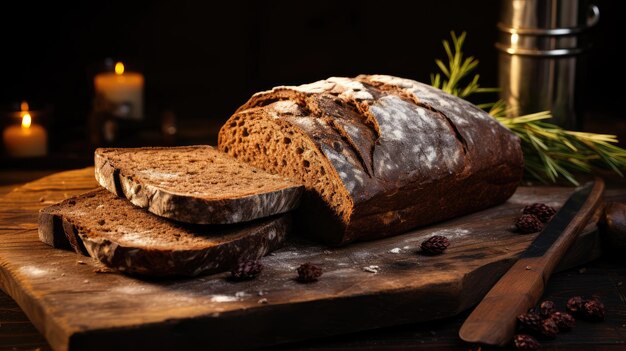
(493, 321)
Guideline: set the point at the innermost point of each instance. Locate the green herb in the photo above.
(457, 69)
(550, 152)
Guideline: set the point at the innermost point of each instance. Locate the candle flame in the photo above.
(119, 68)
(24, 106)
(26, 121)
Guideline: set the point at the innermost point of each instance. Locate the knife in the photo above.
(493, 321)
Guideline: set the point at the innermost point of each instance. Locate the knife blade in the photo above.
(493, 321)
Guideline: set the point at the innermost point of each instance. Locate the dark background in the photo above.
(202, 61)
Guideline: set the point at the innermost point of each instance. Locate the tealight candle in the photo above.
(122, 87)
(26, 140)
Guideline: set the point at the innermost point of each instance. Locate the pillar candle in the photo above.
(122, 87)
(25, 140)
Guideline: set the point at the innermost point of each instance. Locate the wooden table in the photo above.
(604, 278)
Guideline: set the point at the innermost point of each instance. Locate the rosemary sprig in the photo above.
(550, 152)
(457, 69)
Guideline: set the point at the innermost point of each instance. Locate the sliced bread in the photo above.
(194, 184)
(132, 240)
(378, 154)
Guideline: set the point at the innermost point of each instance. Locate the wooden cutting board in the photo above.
(76, 307)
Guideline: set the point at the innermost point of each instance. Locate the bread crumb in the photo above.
(395, 250)
(80, 262)
(223, 298)
(372, 269)
(86, 281)
(262, 301)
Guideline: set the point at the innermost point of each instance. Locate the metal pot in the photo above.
(541, 60)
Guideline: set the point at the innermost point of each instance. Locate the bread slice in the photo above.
(132, 240)
(194, 184)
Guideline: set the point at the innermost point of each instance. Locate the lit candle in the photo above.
(121, 87)
(26, 140)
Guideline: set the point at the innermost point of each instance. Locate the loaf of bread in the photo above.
(378, 154)
(194, 184)
(131, 240)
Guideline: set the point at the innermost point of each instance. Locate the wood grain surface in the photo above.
(76, 308)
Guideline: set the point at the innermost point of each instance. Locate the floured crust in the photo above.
(257, 198)
(403, 153)
(131, 240)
